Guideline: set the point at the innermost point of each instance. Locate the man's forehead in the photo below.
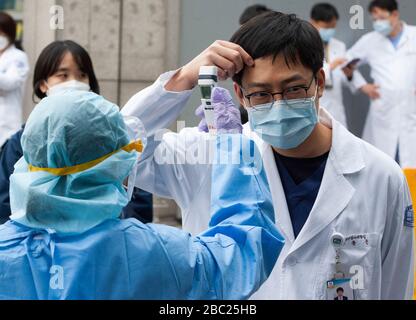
(377, 12)
(267, 70)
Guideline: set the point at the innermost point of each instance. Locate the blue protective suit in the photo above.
(125, 259)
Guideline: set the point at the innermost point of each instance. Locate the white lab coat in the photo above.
(14, 70)
(332, 98)
(391, 120)
(363, 192)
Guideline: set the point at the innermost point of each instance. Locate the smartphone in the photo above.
(353, 63)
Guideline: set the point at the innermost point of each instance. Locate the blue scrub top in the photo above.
(395, 40)
(301, 180)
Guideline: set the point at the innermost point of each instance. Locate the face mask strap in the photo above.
(316, 89)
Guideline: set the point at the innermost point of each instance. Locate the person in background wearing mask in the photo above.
(248, 14)
(338, 201)
(324, 17)
(61, 66)
(14, 70)
(227, 118)
(65, 239)
(252, 11)
(390, 51)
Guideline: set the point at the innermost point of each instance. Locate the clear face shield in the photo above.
(136, 132)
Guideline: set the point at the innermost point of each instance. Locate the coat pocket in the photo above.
(359, 259)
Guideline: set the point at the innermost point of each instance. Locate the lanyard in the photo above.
(337, 242)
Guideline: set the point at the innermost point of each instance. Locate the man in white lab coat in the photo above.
(390, 51)
(342, 205)
(324, 17)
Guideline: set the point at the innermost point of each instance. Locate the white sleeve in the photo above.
(397, 248)
(164, 168)
(358, 50)
(175, 165)
(15, 75)
(156, 107)
(356, 83)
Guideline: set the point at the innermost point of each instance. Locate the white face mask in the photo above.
(383, 26)
(68, 85)
(4, 43)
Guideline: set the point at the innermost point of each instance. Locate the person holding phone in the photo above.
(339, 72)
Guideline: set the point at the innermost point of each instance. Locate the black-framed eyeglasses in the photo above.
(262, 98)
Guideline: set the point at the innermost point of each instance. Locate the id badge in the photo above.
(339, 289)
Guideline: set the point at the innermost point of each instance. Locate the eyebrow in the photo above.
(295, 77)
(62, 70)
(258, 85)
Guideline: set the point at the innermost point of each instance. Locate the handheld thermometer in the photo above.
(208, 78)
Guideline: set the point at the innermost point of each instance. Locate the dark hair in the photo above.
(277, 33)
(252, 11)
(50, 59)
(324, 12)
(8, 26)
(340, 289)
(389, 5)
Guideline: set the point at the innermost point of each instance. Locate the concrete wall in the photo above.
(131, 42)
(128, 40)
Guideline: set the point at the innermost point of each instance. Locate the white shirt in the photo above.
(14, 70)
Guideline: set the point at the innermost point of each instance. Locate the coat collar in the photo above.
(405, 36)
(346, 152)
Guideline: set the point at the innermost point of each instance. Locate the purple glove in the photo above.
(227, 115)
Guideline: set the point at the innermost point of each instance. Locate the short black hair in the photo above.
(389, 5)
(340, 289)
(277, 33)
(253, 11)
(325, 12)
(52, 56)
(8, 26)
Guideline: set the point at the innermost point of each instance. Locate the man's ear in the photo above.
(321, 79)
(396, 14)
(239, 94)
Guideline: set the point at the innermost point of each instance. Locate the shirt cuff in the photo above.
(165, 78)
